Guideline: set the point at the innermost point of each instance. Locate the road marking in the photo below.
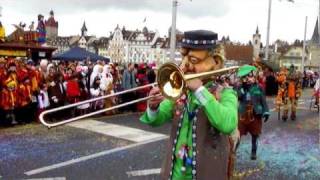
(89, 157)
(301, 108)
(145, 172)
(50, 178)
(123, 132)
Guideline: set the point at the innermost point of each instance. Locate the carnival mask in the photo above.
(197, 61)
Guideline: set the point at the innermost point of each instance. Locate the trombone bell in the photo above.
(171, 81)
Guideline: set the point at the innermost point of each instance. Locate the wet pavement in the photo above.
(287, 150)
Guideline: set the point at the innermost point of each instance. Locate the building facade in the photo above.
(139, 46)
(293, 56)
(90, 43)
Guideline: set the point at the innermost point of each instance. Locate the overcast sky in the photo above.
(236, 18)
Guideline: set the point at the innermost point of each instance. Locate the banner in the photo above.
(18, 53)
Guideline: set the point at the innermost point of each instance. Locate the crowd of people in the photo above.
(27, 88)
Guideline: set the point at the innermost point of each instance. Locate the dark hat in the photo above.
(199, 39)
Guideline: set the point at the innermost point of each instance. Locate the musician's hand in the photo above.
(194, 84)
(154, 102)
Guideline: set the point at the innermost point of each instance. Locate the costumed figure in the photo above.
(142, 80)
(9, 93)
(24, 96)
(200, 146)
(289, 91)
(107, 87)
(72, 87)
(43, 99)
(35, 80)
(95, 92)
(252, 106)
(41, 30)
(3, 71)
(83, 82)
(3, 75)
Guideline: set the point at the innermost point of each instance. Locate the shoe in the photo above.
(284, 118)
(253, 155)
(293, 116)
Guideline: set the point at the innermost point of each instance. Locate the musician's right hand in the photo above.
(155, 101)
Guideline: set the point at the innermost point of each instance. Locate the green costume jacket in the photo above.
(255, 95)
(222, 116)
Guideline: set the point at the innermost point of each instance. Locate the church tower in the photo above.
(51, 26)
(84, 29)
(256, 43)
(314, 48)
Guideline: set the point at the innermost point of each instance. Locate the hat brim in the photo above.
(197, 46)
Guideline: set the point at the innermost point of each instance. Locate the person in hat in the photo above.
(200, 146)
(3, 71)
(252, 106)
(290, 89)
(294, 90)
(3, 75)
(9, 93)
(24, 97)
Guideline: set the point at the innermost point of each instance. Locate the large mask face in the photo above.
(197, 61)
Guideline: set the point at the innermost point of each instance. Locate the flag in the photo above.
(145, 19)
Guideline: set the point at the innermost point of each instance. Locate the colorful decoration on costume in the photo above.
(41, 29)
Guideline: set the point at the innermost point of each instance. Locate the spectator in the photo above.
(95, 92)
(129, 82)
(43, 98)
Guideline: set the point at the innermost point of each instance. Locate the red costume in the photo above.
(73, 90)
(9, 93)
(24, 91)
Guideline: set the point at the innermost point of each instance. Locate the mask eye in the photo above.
(194, 60)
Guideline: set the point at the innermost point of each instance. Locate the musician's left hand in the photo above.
(194, 84)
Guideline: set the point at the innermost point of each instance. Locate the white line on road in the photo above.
(145, 172)
(50, 178)
(123, 132)
(89, 157)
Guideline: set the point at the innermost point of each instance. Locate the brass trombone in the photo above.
(170, 79)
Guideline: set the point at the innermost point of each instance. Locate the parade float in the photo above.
(29, 43)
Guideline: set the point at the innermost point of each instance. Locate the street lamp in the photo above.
(268, 31)
(268, 28)
(173, 30)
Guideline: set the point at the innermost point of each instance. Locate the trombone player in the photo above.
(200, 145)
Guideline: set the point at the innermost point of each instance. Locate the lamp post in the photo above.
(173, 30)
(268, 31)
(268, 28)
(304, 44)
